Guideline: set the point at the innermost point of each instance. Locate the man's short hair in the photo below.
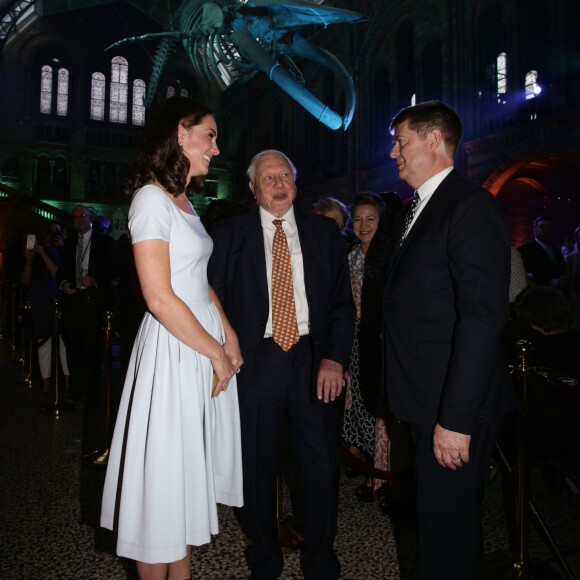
(544, 218)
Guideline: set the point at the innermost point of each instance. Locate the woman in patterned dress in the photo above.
(364, 427)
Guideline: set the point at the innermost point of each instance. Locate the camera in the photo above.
(30, 241)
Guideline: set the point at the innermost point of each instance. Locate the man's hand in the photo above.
(451, 449)
(88, 281)
(329, 381)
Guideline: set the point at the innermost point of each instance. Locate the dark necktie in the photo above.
(79, 262)
(409, 217)
(284, 324)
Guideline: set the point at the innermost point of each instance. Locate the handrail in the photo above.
(34, 206)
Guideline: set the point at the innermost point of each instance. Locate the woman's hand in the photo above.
(232, 348)
(224, 371)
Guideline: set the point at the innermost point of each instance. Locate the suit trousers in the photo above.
(284, 391)
(449, 506)
(83, 335)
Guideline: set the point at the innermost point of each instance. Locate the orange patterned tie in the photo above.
(284, 325)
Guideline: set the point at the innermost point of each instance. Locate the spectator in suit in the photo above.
(296, 370)
(84, 275)
(573, 267)
(544, 262)
(445, 307)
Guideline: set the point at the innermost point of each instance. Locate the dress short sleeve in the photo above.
(150, 215)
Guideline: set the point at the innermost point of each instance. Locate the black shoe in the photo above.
(365, 493)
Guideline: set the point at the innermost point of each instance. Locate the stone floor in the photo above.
(50, 502)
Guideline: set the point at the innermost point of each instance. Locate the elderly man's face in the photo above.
(274, 185)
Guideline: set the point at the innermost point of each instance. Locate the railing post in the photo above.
(521, 568)
(99, 457)
(58, 405)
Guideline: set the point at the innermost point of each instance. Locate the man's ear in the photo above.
(251, 185)
(434, 138)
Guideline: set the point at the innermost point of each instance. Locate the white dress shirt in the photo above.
(426, 191)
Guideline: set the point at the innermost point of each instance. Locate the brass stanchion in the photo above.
(14, 318)
(2, 304)
(27, 343)
(521, 567)
(58, 405)
(99, 457)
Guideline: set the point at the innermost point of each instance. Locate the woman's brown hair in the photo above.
(160, 157)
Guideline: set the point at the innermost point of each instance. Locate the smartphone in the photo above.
(30, 241)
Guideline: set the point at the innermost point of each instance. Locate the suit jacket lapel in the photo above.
(255, 239)
(306, 248)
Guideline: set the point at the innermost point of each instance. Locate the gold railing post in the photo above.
(521, 568)
(14, 319)
(99, 457)
(58, 405)
(521, 465)
(2, 304)
(27, 343)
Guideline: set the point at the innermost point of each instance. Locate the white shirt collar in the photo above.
(427, 189)
(267, 218)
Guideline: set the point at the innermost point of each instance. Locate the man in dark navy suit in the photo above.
(300, 381)
(542, 259)
(84, 275)
(445, 306)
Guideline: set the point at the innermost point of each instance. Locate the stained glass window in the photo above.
(138, 113)
(62, 93)
(46, 89)
(501, 64)
(119, 90)
(98, 86)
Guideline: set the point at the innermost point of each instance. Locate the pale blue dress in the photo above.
(175, 450)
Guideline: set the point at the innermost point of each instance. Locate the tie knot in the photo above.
(277, 223)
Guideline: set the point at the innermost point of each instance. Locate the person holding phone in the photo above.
(38, 275)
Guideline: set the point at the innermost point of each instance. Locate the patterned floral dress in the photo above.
(364, 417)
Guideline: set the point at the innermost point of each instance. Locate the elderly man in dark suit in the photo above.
(271, 267)
(445, 306)
(84, 275)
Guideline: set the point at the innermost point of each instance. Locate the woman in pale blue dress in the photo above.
(176, 446)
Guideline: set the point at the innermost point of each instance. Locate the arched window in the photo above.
(98, 86)
(138, 112)
(54, 92)
(119, 90)
(501, 75)
(42, 174)
(170, 92)
(60, 176)
(533, 89)
(62, 93)
(184, 92)
(46, 89)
